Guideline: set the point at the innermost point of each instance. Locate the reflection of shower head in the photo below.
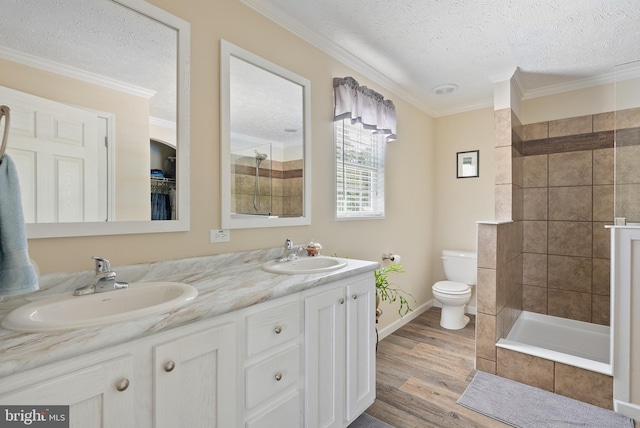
(257, 201)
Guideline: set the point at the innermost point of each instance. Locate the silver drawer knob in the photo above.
(278, 329)
(355, 296)
(341, 301)
(169, 366)
(122, 385)
(278, 376)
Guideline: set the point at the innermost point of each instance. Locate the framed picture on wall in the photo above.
(467, 164)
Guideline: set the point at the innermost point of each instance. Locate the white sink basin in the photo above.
(65, 311)
(318, 264)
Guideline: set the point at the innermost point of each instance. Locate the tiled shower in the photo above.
(568, 199)
(555, 190)
(280, 184)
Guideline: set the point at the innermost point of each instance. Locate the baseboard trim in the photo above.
(382, 333)
(628, 409)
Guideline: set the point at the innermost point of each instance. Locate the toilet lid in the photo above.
(451, 287)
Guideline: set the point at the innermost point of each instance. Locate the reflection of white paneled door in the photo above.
(57, 155)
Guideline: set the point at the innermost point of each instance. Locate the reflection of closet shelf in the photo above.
(162, 185)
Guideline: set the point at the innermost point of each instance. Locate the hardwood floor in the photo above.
(422, 369)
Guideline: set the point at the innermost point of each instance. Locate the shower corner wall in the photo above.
(500, 263)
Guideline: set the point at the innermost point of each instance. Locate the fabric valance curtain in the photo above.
(363, 105)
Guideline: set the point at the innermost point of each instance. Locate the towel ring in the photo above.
(4, 112)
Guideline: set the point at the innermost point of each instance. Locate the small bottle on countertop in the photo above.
(313, 249)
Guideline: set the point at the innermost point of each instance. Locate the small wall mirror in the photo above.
(99, 99)
(265, 142)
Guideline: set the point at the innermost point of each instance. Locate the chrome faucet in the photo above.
(290, 251)
(103, 281)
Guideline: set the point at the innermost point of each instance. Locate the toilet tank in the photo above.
(460, 266)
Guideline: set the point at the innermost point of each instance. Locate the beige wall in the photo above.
(582, 102)
(460, 203)
(594, 100)
(410, 178)
(160, 132)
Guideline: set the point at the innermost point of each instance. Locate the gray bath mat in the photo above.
(525, 406)
(368, 421)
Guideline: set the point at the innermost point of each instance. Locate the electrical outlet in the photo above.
(218, 235)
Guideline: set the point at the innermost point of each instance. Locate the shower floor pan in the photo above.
(576, 343)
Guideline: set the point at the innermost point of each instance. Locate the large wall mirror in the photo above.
(99, 99)
(265, 142)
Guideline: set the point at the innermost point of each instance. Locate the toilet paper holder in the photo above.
(390, 256)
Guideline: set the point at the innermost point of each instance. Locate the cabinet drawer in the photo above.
(273, 327)
(287, 414)
(271, 376)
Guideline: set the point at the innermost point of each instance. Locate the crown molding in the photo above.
(73, 72)
(335, 51)
(588, 82)
(317, 40)
(169, 124)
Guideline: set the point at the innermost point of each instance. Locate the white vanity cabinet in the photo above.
(194, 379)
(184, 377)
(100, 394)
(273, 369)
(339, 352)
(302, 360)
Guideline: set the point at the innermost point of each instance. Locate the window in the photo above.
(364, 122)
(359, 171)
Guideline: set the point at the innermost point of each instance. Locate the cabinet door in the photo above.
(98, 396)
(324, 358)
(194, 380)
(361, 339)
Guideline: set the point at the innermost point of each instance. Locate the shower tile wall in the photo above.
(583, 385)
(549, 250)
(500, 262)
(499, 287)
(568, 199)
(627, 171)
(508, 164)
(281, 185)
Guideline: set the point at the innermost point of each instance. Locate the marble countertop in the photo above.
(225, 283)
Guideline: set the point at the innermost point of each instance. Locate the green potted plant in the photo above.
(388, 292)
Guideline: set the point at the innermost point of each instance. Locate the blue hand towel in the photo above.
(17, 275)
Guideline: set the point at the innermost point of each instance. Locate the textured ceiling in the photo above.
(407, 46)
(276, 102)
(410, 46)
(100, 37)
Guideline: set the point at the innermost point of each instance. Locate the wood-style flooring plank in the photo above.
(422, 369)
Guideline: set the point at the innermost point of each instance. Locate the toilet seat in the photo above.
(451, 287)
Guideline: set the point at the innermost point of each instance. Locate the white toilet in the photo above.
(454, 293)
